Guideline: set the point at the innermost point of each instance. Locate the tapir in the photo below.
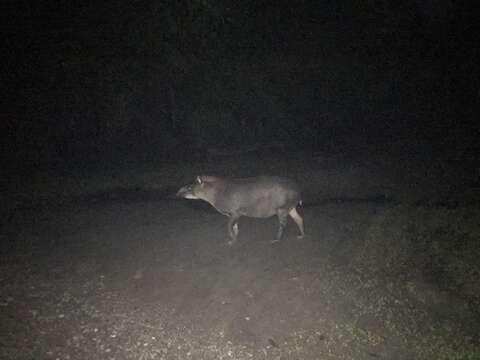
(257, 197)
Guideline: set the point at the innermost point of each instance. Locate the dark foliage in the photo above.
(144, 80)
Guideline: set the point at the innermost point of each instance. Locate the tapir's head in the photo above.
(200, 189)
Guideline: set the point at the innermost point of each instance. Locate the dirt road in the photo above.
(111, 277)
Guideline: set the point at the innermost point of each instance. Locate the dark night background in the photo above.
(91, 83)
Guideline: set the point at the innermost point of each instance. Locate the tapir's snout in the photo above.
(186, 192)
(183, 191)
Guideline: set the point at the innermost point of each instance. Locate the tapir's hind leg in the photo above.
(298, 220)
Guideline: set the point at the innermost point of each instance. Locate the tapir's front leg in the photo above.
(233, 228)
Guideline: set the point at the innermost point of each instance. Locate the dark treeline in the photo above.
(144, 80)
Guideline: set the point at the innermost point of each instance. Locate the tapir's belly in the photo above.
(260, 207)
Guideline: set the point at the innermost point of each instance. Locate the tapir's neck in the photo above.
(212, 191)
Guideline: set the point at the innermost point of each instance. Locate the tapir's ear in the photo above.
(199, 179)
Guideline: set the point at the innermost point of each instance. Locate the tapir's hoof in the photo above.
(231, 242)
(274, 241)
(300, 236)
